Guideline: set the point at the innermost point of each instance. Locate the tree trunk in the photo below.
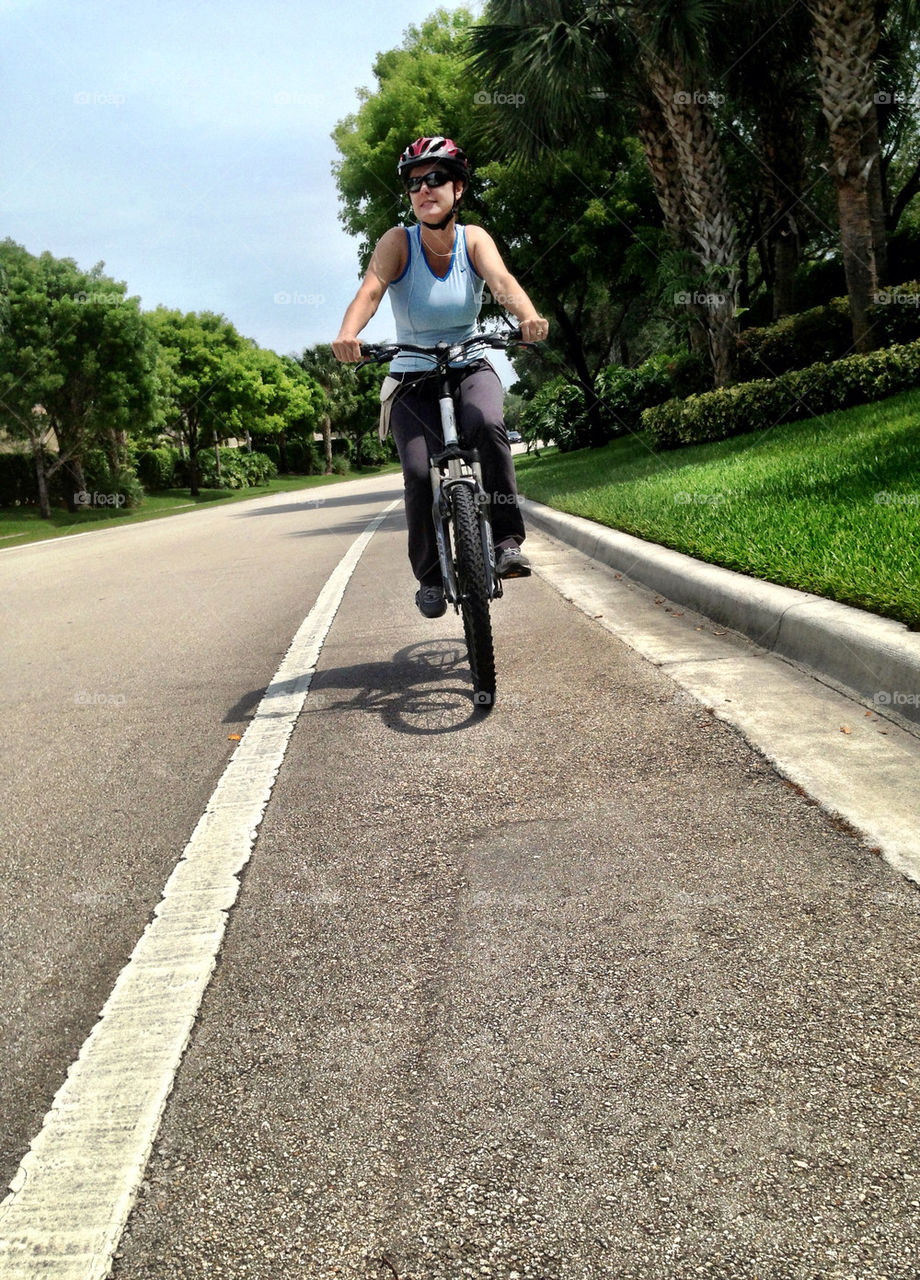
(75, 484)
(327, 443)
(878, 214)
(845, 37)
(661, 158)
(41, 479)
(781, 149)
(785, 265)
(858, 256)
(711, 222)
(194, 473)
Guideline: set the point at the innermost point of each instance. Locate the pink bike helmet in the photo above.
(443, 150)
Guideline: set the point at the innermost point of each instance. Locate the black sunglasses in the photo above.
(436, 178)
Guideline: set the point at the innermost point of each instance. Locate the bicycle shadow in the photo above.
(424, 689)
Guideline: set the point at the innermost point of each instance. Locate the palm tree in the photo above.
(338, 383)
(845, 35)
(672, 52)
(572, 63)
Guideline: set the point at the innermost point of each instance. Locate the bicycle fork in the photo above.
(463, 467)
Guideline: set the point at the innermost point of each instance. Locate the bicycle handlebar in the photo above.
(378, 352)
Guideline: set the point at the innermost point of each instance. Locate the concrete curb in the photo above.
(874, 659)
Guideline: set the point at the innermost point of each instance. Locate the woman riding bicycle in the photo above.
(436, 272)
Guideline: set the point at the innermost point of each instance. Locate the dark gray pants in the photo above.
(415, 422)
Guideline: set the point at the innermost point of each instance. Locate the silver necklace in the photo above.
(435, 251)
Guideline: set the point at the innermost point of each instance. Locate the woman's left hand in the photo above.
(534, 330)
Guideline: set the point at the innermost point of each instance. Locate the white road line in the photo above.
(71, 1196)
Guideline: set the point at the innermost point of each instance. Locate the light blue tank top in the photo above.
(429, 309)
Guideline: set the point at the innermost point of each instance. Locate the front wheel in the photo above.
(473, 591)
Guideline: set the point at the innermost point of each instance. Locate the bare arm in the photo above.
(504, 288)
(386, 264)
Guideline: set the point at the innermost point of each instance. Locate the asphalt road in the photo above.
(579, 989)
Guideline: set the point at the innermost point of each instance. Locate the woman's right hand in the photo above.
(348, 350)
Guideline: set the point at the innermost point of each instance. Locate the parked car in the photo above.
(514, 437)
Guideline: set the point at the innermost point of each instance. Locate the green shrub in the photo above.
(802, 393)
(116, 485)
(556, 413)
(257, 467)
(372, 451)
(271, 451)
(342, 448)
(156, 468)
(301, 457)
(821, 334)
(238, 469)
(232, 469)
(895, 317)
(624, 393)
(342, 453)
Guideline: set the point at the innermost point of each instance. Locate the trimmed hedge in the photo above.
(802, 393)
(825, 334)
(810, 337)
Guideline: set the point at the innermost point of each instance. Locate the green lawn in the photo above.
(829, 505)
(24, 524)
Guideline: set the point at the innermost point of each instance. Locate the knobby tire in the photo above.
(474, 597)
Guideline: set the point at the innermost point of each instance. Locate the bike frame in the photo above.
(453, 465)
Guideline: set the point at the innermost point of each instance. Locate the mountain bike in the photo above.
(461, 510)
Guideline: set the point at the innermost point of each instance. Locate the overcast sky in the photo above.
(187, 146)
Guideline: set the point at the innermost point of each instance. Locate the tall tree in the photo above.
(77, 361)
(210, 384)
